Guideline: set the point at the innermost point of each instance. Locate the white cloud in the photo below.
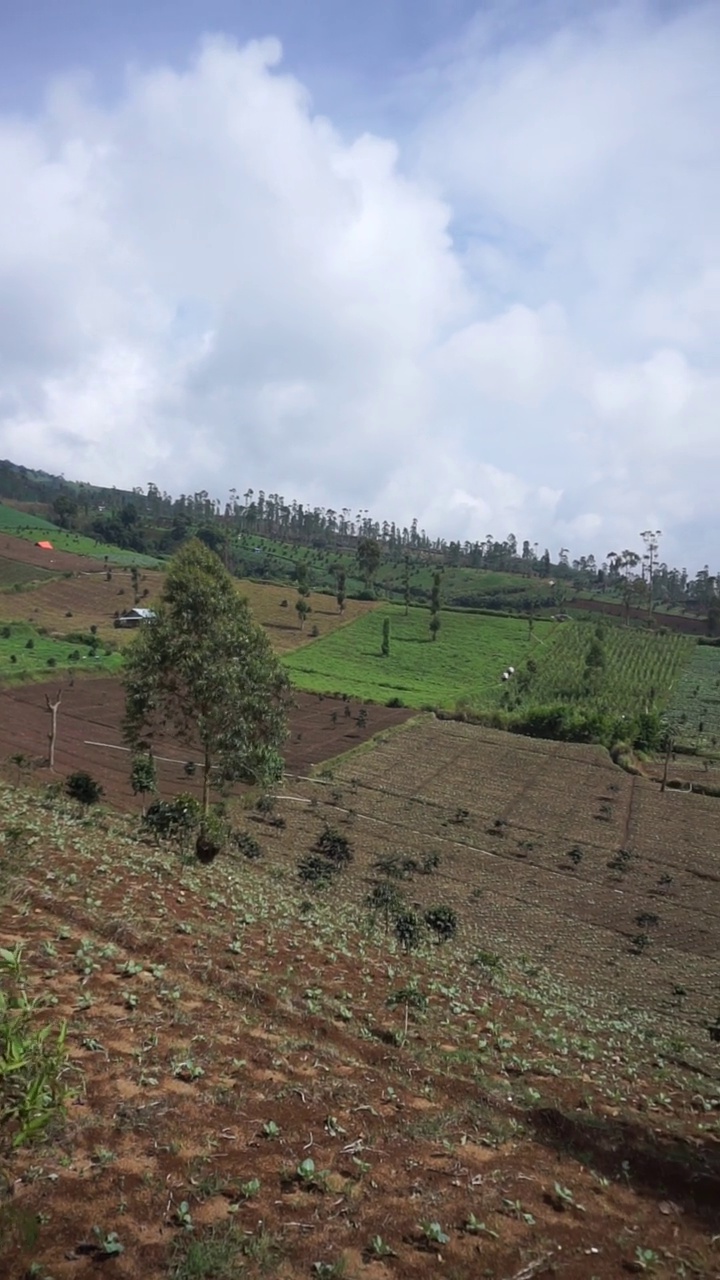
(207, 285)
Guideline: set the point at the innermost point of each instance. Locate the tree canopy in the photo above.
(204, 672)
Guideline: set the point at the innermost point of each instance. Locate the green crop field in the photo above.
(467, 660)
(33, 529)
(26, 654)
(695, 706)
(638, 671)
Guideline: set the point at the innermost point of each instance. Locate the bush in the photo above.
(83, 787)
(317, 871)
(395, 702)
(173, 819)
(408, 930)
(332, 844)
(247, 845)
(211, 838)
(443, 922)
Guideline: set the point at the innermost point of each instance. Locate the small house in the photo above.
(135, 618)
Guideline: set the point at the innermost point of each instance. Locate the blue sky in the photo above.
(440, 259)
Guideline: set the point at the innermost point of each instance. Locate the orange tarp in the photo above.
(46, 546)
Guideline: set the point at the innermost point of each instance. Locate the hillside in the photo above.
(269, 1085)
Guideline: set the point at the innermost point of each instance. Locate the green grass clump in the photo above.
(467, 660)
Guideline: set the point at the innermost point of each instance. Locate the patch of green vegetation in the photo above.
(694, 708)
(467, 660)
(268, 559)
(27, 654)
(34, 529)
(612, 669)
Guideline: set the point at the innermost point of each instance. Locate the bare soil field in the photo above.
(90, 737)
(264, 1084)
(551, 850)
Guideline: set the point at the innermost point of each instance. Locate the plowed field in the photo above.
(89, 735)
(266, 1085)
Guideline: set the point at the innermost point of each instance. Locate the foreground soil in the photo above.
(90, 735)
(264, 1085)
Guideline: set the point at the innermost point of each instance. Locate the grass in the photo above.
(467, 660)
(695, 705)
(37, 656)
(34, 529)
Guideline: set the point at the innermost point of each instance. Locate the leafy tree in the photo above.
(435, 607)
(302, 608)
(368, 557)
(302, 605)
(65, 509)
(204, 671)
(143, 775)
(408, 930)
(340, 593)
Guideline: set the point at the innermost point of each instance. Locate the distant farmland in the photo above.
(695, 706)
(467, 660)
(639, 669)
(22, 525)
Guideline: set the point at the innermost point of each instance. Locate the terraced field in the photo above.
(695, 707)
(267, 1084)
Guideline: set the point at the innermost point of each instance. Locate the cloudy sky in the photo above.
(431, 258)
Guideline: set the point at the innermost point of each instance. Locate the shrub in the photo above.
(30, 644)
(395, 702)
(408, 930)
(247, 845)
(332, 844)
(173, 819)
(443, 921)
(316, 870)
(212, 837)
(83, 787)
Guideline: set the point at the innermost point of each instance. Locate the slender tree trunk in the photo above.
(206, 783)
(668, 753)
(52, 736)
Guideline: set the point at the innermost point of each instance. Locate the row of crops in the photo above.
(612, 669)
(694, 709)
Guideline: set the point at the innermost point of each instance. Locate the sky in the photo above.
(425, 258)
